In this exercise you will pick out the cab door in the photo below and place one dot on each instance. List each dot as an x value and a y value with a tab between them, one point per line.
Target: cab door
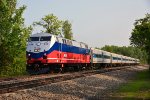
91	58
59	40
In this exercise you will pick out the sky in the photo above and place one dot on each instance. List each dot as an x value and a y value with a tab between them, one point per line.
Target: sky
95	22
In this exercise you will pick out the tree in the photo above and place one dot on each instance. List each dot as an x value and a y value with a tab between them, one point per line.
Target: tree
67	30
140	36
13	36
51	24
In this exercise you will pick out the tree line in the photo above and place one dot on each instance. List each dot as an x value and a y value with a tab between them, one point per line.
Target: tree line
14	35
140	36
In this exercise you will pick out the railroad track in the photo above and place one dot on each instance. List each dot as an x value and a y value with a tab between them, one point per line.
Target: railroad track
19	85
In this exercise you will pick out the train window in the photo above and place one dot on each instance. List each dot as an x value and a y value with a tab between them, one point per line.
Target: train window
57	39
33	39
119	58
115	58
64	41
100	56
70	42
106	57
97	56
94	55
86	46
80	45
45	38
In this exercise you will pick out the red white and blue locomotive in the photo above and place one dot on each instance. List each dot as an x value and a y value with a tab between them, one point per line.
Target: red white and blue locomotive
46	52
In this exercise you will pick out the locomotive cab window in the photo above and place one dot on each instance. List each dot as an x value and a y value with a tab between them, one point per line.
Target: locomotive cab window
45	38
33	39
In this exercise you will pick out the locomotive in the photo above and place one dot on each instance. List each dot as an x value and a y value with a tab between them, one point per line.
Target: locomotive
46	52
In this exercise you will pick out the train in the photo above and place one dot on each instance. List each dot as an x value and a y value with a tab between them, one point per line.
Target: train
46	52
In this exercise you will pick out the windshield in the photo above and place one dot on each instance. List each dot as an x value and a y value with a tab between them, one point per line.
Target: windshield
45	38
34	39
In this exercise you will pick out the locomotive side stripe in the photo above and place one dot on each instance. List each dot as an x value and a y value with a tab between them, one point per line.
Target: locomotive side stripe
65	48
52	58
64	59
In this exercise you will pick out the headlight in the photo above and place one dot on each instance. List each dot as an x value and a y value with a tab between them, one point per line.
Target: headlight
38	44
45	43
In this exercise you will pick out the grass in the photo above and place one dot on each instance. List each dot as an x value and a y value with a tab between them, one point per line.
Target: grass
138	88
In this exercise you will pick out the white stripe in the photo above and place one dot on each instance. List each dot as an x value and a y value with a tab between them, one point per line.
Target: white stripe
64	59
52	58
71	59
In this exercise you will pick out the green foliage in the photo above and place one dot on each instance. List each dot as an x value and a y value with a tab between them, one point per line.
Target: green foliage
51	24
54	26
66	30
137	88
128	51
13	36
140	36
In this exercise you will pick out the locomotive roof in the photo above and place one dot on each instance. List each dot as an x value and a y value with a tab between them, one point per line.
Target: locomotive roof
40	34
48	34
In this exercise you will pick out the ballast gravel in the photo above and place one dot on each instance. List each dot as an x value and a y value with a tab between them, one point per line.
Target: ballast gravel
95	87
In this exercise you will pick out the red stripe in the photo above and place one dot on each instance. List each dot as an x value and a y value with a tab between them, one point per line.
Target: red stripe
63	57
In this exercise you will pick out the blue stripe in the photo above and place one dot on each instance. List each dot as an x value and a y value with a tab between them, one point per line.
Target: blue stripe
65	48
